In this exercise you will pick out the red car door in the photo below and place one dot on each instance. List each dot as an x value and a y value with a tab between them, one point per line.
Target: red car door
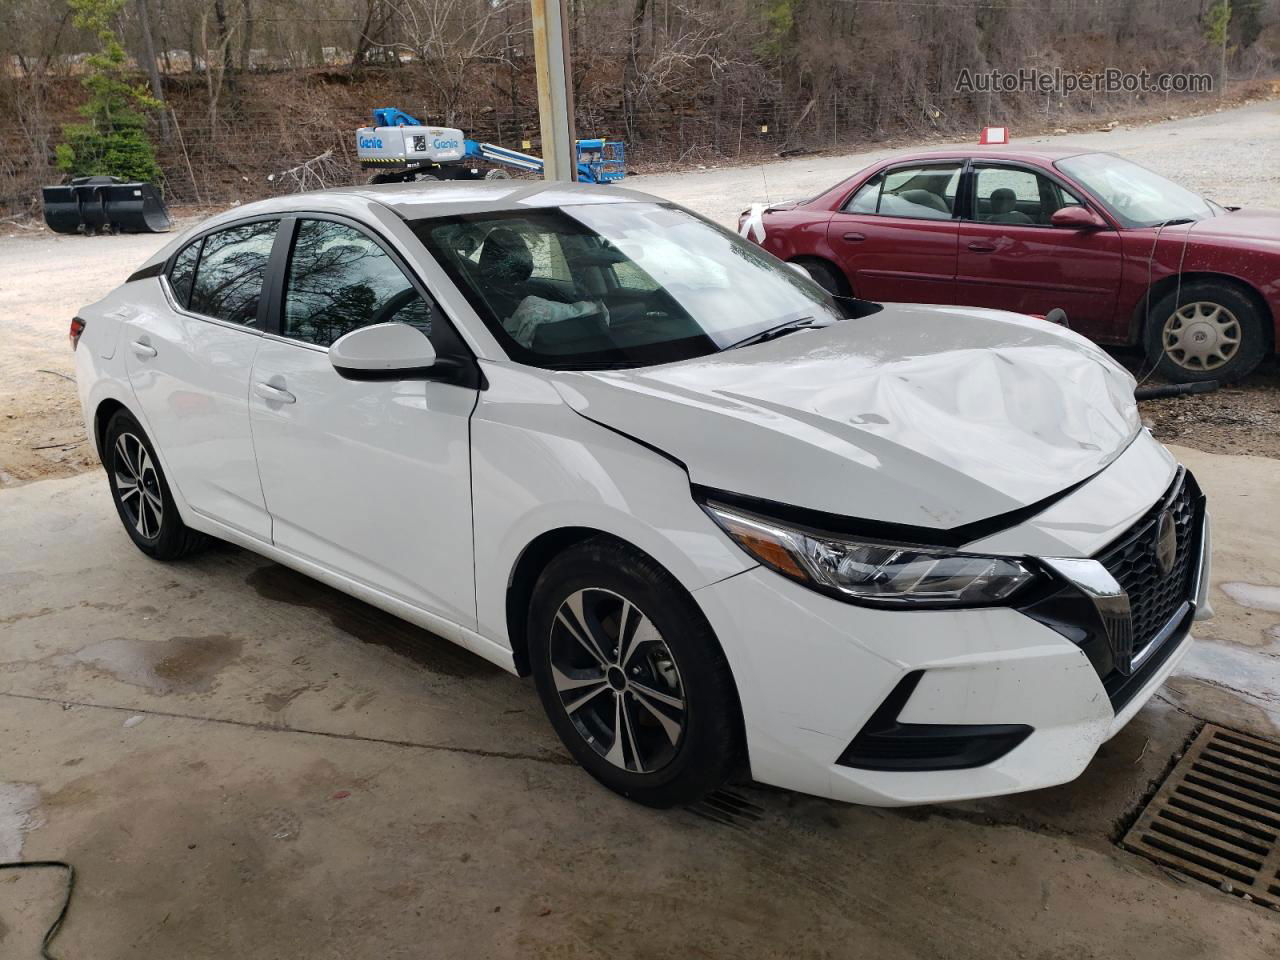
1012	258
897	236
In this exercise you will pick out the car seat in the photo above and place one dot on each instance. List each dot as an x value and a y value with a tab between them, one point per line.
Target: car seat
925	198
1004	208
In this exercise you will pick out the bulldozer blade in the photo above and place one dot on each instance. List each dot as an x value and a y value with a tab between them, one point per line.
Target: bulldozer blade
93	204
136	208
61	209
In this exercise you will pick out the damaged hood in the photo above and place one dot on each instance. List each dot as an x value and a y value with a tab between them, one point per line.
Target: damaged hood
928	416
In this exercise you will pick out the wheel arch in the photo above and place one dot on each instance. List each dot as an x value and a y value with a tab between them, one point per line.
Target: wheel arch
1167	285
102	415
533	559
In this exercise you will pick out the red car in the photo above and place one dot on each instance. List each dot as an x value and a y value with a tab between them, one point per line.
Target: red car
1131	257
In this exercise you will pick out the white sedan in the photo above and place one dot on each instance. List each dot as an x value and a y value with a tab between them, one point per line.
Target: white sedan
884	554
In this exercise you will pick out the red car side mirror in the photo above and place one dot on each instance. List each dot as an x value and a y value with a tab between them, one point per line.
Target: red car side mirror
1077	217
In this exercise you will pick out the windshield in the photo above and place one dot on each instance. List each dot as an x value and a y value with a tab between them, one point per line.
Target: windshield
1134	195
617	284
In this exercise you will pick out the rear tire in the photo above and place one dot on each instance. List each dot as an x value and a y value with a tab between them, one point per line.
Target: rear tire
827	277
496	174
141	493
615	644
1205	331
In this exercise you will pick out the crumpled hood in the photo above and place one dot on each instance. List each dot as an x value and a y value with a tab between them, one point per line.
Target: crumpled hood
928	416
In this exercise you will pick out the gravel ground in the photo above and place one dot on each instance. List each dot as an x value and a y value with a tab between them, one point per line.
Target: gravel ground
44	279
1241	419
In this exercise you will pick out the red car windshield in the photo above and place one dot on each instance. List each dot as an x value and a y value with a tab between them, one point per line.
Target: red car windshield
1134	195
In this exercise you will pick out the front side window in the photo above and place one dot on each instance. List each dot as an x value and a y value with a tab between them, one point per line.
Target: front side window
926	192
617	284
339	280
183	272
233	262
1013	195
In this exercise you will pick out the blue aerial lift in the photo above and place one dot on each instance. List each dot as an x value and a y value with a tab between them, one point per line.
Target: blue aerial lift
400	149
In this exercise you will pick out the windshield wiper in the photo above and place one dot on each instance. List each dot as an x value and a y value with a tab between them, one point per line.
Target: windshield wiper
781	330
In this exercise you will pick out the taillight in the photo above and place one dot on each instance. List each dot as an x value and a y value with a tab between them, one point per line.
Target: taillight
77	328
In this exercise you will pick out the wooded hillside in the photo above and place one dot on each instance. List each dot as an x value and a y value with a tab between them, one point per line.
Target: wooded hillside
248	89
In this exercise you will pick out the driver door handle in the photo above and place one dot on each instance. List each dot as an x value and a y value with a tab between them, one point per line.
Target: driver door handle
274	394
981	246
143	349
855	237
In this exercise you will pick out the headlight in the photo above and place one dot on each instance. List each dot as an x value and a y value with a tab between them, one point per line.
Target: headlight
878	573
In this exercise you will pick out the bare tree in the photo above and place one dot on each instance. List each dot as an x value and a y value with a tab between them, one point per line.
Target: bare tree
152	65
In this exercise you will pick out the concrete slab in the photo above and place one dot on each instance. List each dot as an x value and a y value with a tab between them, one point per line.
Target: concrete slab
241	762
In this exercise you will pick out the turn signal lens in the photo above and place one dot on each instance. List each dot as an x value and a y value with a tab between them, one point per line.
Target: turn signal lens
881	573
77	328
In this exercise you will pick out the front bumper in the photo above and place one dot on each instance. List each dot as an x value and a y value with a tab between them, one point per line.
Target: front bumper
815	673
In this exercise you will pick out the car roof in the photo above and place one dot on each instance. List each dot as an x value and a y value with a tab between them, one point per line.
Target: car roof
447	197
1024	153
413	201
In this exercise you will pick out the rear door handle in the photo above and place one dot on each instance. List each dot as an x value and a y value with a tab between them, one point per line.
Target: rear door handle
143	349
855	237
979	246
274	394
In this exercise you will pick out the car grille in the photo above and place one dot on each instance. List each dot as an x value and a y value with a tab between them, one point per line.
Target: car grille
1155	599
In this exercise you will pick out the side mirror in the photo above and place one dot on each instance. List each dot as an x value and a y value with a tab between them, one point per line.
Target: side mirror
1077	217
801	269
383	351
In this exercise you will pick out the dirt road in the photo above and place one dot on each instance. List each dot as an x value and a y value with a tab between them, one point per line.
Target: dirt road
44	280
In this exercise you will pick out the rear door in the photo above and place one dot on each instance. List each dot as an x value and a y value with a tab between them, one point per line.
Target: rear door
897	236
1013	258
189	366
370	479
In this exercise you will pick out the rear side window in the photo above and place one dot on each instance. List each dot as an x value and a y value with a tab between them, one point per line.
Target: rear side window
233	262
183	272
918	193
341	280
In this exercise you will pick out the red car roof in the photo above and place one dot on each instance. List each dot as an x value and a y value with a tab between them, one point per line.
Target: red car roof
1027	154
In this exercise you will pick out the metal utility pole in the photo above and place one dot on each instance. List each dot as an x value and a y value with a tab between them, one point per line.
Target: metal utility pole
555	88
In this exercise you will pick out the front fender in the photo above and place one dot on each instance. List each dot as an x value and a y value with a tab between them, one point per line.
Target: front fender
538	467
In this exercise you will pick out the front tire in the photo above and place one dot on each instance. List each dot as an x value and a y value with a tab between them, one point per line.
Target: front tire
1205	331
141	493
631	676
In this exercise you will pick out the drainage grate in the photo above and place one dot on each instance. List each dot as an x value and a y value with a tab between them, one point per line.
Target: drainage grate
1217	817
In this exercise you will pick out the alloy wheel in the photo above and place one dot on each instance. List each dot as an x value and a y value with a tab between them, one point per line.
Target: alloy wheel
138	486
617	680
1201	336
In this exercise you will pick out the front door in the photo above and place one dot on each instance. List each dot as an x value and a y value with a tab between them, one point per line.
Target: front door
370	479
1013	258
190	366
896	236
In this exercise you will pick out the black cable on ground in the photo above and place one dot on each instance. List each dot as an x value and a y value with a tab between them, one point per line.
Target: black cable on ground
66	901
